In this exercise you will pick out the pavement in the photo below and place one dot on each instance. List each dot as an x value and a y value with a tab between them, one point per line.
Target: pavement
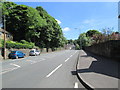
49	70
98	72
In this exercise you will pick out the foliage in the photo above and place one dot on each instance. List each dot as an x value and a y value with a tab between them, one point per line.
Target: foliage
90	33
17	45
70	41
83	40
77	47
1	43
32	24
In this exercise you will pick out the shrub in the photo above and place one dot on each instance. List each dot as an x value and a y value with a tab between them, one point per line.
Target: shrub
1	43
23	45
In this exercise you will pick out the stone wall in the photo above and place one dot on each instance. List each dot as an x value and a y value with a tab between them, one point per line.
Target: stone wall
110	49
26	51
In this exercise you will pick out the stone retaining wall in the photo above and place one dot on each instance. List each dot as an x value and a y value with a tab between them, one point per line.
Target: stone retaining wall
110	49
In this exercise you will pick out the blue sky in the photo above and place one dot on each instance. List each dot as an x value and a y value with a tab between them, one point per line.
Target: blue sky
78	17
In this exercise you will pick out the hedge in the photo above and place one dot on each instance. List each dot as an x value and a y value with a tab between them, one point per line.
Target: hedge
1	43
17	45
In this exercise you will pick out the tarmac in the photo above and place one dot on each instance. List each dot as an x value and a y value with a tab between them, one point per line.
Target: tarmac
98	72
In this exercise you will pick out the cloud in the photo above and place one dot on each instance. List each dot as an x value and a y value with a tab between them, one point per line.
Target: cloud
58	21
89	21
66	29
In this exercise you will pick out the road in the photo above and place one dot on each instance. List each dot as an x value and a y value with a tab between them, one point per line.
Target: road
50	70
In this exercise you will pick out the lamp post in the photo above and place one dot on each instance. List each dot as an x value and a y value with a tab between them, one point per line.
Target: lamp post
4	38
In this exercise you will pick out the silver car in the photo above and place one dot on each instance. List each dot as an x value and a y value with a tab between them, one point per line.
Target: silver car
34	53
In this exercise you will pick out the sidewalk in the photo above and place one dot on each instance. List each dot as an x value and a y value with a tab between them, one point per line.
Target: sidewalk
97	72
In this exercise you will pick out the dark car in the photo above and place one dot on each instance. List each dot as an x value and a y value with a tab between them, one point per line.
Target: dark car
16	54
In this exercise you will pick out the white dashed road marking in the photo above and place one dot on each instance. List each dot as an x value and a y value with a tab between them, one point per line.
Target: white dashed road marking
54	70
76	85
67	59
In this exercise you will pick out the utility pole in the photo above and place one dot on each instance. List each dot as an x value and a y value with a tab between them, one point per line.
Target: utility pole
4	38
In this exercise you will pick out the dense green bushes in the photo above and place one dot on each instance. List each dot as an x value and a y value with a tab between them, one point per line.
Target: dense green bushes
19	45
1	42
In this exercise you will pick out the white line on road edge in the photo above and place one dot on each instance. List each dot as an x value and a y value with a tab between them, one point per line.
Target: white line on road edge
14	65
10	69
67	59
54	71
76	85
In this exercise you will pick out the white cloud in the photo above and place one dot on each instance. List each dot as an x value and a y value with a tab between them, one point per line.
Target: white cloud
58	21
66	29
89	21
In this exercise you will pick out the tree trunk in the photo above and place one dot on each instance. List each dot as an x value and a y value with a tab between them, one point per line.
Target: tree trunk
47	49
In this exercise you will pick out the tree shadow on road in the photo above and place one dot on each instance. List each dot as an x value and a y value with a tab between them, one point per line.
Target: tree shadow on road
102	66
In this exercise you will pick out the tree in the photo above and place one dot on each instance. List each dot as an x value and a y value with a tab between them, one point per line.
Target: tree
33	25
52	34
90	33
83	40
22	22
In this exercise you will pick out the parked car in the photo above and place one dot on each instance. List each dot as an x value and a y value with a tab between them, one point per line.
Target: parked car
16	54
34	52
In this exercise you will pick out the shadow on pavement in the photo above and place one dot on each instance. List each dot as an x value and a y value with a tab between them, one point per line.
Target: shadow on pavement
102	66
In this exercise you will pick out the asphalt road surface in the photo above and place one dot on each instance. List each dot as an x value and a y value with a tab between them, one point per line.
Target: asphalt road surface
49	70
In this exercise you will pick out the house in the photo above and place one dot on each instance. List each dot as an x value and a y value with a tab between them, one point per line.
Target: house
8	35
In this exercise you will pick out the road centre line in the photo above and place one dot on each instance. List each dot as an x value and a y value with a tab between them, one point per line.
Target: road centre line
71	55
67	59
76	85
54	70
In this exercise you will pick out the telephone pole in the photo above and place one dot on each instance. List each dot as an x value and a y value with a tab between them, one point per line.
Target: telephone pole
4	38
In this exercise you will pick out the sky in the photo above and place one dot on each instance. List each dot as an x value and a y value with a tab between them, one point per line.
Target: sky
79	17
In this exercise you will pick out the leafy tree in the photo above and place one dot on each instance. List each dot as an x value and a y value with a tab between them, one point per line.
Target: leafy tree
90	33
52	34
83	40
33	25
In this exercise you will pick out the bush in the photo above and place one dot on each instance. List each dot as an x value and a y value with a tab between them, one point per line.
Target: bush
23	45
1	43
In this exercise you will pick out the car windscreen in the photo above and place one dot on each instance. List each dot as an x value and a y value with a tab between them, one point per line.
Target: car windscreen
31	51
37	51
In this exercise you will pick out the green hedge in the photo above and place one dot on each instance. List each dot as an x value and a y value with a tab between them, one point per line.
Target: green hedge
1	42
18	45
